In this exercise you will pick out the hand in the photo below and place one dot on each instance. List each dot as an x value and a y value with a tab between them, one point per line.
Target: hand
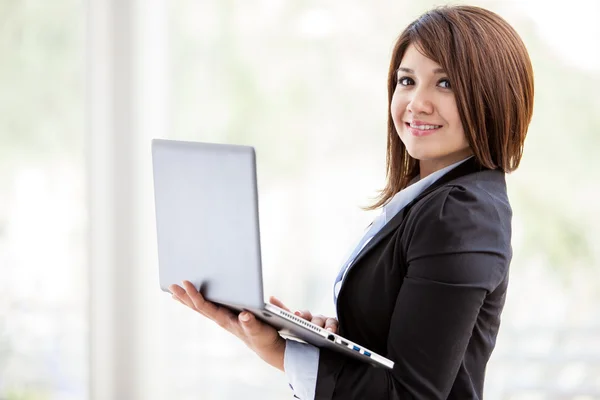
331	324
261	338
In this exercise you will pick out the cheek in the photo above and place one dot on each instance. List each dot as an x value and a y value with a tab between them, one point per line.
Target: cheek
397	107
452	115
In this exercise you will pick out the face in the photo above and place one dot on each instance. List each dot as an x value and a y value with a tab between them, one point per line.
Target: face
425	114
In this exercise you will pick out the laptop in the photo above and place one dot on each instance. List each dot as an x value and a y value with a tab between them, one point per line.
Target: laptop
206	203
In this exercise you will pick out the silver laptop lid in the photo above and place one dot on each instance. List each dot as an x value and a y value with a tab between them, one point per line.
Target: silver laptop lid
206	205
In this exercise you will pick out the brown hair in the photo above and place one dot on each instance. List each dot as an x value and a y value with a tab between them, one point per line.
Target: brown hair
492	80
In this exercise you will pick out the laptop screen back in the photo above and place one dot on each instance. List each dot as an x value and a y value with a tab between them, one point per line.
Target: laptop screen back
207	220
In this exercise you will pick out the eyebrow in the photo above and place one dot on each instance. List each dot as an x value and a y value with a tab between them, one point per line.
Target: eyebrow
410	71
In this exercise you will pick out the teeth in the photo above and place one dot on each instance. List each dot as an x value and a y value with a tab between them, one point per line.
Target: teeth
424	127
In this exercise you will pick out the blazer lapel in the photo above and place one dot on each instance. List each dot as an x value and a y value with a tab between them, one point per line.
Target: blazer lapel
386	230
468	167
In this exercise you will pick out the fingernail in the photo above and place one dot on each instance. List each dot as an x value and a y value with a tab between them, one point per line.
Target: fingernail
329	329
245	317
298	313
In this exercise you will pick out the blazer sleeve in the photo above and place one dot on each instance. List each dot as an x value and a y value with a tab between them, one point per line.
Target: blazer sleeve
457	250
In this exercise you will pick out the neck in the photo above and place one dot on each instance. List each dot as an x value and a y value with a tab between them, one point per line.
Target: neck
428	167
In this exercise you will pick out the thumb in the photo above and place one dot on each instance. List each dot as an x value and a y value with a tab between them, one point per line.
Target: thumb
260	337
249	323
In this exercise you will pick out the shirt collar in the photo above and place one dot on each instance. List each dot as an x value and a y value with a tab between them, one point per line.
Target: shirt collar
409	193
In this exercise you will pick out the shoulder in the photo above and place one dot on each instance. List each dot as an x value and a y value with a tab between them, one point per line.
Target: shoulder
460	233
471	213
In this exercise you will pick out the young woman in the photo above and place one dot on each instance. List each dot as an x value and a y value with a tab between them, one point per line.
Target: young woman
426	285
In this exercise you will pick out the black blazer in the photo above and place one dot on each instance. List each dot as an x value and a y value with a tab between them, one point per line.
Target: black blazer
427	292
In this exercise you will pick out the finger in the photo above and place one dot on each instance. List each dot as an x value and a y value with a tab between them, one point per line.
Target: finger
304	314
198	300
182	296
319	320
222	316
276	302
188	302
182	302
174	289
331	325
177	299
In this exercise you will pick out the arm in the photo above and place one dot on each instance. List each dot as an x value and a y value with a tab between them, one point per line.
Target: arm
457	253
301	362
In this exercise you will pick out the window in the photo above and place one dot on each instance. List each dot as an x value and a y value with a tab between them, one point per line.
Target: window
43	274
85	86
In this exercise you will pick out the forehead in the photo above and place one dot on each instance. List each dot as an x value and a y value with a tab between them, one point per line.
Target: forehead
415	60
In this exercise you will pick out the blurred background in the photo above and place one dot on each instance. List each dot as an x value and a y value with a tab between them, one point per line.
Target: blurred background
85	86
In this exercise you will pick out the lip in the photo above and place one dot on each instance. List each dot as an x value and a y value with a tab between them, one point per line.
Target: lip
421	132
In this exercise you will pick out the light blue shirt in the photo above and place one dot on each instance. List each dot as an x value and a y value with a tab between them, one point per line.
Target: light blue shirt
301	360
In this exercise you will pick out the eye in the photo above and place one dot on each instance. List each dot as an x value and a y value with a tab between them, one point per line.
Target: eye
445	83
405	81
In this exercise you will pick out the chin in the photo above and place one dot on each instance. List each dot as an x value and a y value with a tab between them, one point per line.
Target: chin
436	157
423	154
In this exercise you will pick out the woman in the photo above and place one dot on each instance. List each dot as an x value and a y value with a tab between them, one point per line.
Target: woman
426	285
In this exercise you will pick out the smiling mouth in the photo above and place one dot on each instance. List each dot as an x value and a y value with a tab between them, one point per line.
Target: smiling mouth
423	127
422	130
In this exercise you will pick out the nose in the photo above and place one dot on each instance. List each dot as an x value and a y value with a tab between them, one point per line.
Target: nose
420	103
